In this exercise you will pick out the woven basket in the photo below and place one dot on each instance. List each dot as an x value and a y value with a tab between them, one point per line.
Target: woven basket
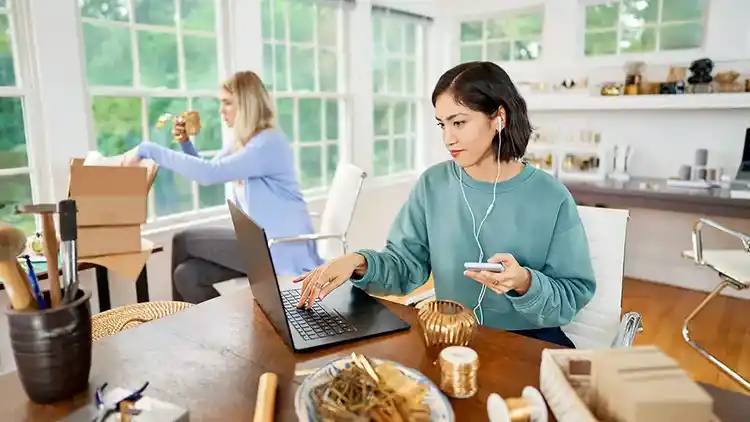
128	316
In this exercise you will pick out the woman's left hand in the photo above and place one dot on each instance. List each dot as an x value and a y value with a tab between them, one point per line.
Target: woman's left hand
514	277
131	158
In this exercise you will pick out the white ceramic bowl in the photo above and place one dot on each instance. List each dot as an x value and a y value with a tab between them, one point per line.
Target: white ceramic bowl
440	407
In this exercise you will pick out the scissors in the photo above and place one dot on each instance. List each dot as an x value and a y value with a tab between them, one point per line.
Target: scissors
105	411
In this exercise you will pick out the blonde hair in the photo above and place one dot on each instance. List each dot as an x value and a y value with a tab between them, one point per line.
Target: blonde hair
255	111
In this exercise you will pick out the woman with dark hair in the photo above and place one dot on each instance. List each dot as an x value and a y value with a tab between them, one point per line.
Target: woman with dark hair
485	203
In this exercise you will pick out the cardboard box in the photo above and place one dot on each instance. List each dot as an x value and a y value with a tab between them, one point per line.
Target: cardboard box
110	195
109	240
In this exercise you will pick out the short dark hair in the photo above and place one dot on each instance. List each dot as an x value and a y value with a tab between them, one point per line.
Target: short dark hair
484	87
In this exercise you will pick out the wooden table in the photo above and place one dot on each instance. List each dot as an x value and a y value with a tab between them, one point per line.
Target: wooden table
208	358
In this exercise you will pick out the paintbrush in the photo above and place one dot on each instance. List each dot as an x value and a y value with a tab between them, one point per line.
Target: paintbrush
12	244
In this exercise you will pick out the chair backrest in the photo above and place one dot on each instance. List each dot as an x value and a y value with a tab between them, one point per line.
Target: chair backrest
596	325
339	209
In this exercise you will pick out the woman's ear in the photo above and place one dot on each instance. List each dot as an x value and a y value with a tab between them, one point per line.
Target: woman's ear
501	120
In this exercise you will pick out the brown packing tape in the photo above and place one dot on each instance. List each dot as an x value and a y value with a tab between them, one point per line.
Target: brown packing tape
129	265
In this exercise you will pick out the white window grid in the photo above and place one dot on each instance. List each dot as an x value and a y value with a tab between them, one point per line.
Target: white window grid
339	95
25	90
145	93
486	41
657	26
392	100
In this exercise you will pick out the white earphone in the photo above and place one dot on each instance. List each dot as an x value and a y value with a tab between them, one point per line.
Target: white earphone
478	309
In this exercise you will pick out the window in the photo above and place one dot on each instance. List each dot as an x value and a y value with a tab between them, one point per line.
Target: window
644	26
397	90
149	57
15	159
303	70
511	36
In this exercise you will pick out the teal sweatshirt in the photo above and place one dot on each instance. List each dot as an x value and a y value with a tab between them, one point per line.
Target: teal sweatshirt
534	218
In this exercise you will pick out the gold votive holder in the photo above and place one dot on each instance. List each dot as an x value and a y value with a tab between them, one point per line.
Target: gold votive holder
192	123
445	323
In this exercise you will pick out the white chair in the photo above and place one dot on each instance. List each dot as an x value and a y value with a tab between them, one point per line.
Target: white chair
598	324
334	222
733	268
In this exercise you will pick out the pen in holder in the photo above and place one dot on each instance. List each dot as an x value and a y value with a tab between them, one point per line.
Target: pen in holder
192	123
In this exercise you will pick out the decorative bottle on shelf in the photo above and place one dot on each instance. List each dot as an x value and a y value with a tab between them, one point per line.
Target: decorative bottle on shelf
621	157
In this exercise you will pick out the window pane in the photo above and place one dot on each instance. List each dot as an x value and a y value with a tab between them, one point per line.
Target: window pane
311	167
157	53
498	28
7	73
526	50
118	124
303	68
285	116
676	37
638	40
266	24
683	10
602	16
332	119
327	26
470	53
200	62
3	4
332	161
381	119
279	21
301	21
108	55
410	75
268	75
400	118
471	31
529	24
411	38
209	138
158	106
638	12
378	37
379	64
310	114
381	157
328	70
498	52
600	43
16	190
394	35
400	155
211	196
12	135
154	12
395	76
281	78
115	10
172	193
198	14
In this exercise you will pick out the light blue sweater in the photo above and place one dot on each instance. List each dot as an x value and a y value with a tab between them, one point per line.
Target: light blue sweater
274	200
534	218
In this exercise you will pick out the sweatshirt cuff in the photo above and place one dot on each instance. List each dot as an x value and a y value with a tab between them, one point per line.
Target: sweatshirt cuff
144	150
372	268
532	295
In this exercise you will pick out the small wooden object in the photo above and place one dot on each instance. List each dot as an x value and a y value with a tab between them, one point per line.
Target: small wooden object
51	251
264	404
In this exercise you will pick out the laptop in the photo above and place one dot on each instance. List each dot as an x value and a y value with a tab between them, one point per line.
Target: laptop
346	314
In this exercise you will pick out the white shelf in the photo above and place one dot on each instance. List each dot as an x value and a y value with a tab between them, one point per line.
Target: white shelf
584	101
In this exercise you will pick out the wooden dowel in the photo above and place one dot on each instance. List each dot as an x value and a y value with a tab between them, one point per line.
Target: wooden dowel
51	251
264	404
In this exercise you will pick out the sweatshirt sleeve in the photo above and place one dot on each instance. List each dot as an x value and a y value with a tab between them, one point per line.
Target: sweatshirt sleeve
566	282
189	148
404	264
261	157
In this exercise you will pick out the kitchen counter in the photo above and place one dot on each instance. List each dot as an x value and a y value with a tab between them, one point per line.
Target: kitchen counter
651	193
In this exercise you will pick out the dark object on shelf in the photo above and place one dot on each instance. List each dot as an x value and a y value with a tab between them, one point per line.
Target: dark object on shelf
568	83
672	87
701	71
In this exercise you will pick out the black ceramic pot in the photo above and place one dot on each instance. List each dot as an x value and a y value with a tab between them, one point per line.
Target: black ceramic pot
52	349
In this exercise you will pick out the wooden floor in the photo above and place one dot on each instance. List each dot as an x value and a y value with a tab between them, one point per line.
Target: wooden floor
723	327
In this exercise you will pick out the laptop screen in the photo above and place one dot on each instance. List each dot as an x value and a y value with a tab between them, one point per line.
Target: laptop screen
253	244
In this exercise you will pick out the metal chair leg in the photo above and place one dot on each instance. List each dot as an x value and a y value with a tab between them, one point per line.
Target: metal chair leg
706	354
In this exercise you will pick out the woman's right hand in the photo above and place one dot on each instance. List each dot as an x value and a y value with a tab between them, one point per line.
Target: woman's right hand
179	132
321	281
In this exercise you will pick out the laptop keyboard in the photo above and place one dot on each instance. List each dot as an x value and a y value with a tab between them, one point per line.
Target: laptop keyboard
312	323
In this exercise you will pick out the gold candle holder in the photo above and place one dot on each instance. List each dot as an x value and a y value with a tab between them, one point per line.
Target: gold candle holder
192	123
445	323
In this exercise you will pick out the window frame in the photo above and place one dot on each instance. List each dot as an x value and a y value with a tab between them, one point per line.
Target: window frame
144	94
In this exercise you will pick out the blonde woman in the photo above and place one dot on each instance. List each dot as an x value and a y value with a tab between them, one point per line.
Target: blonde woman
261	166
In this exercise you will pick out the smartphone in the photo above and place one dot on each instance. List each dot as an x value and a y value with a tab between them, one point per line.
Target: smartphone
484	266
